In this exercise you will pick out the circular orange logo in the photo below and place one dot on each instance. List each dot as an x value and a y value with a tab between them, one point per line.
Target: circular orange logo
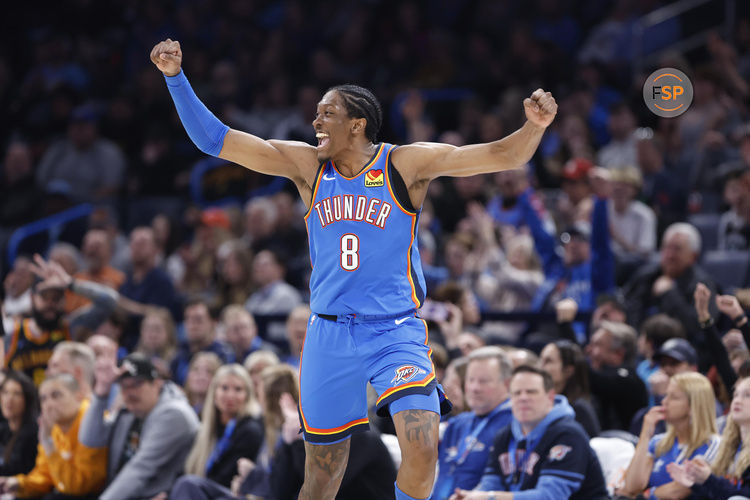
668	92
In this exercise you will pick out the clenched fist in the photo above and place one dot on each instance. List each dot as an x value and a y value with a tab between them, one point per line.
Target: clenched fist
540	108
167	56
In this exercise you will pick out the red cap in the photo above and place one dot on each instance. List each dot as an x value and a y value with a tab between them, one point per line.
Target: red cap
215	217
576	169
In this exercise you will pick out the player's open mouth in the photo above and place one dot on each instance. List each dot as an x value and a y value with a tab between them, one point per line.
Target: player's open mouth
323	139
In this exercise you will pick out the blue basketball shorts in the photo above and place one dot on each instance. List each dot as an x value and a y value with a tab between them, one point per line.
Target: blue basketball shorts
340	356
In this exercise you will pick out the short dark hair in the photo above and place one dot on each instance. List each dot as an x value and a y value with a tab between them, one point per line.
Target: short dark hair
198	301
362	103
546	377
659	328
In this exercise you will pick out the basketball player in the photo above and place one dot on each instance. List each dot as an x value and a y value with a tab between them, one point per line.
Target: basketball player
364	200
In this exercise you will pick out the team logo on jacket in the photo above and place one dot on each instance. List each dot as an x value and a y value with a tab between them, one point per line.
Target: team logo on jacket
405	373
374	178
558	452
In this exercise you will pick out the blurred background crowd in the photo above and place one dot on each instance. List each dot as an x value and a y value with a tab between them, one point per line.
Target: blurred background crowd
627	235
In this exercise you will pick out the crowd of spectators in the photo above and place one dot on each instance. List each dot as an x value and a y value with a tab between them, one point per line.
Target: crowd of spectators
151	350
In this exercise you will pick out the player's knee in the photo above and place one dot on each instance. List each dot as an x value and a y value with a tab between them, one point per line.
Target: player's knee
419	446
420	454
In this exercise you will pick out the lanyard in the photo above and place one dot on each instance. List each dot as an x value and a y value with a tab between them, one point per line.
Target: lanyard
446	481
222	445
520	465
465	446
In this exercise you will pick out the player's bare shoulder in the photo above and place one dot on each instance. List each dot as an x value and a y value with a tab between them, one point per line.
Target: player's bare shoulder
302	155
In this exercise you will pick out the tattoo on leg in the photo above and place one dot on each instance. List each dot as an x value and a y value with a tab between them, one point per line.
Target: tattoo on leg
330	458
324	470
419	426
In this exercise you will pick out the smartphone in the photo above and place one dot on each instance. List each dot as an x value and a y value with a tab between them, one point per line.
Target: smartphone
434	311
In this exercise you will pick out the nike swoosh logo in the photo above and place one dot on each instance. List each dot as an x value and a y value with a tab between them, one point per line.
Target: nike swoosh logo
399	321
326	178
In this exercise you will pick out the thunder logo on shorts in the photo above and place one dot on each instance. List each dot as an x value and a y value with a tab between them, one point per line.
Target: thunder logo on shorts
405	374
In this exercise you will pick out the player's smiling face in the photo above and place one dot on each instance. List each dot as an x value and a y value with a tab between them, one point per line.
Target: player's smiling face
332	125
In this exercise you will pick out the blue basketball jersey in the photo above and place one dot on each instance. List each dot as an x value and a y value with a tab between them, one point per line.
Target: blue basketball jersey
363	243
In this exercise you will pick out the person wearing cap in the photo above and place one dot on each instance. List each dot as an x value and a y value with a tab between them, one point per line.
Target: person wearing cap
586	267
576	204
149	438
33	339
654	332
675	356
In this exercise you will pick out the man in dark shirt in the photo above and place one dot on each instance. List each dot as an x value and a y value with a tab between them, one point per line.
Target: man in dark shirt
200	330
617	389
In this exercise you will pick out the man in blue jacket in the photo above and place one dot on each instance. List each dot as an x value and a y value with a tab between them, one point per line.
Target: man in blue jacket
584	268
544	453
465	447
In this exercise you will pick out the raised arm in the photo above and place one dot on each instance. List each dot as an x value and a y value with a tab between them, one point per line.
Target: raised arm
423	161
294	160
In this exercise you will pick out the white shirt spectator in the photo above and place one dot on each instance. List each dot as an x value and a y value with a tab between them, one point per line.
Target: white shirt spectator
636	227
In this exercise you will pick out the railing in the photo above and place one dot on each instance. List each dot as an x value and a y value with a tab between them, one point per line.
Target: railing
687	43
53	225
206	166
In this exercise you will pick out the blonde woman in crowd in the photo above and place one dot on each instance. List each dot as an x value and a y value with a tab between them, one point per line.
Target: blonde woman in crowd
689	409
203	366
279	397
230	429
729	476
158	339
255	363
280	470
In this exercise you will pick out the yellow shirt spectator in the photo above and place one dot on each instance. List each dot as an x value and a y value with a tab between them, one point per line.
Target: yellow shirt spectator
63	463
